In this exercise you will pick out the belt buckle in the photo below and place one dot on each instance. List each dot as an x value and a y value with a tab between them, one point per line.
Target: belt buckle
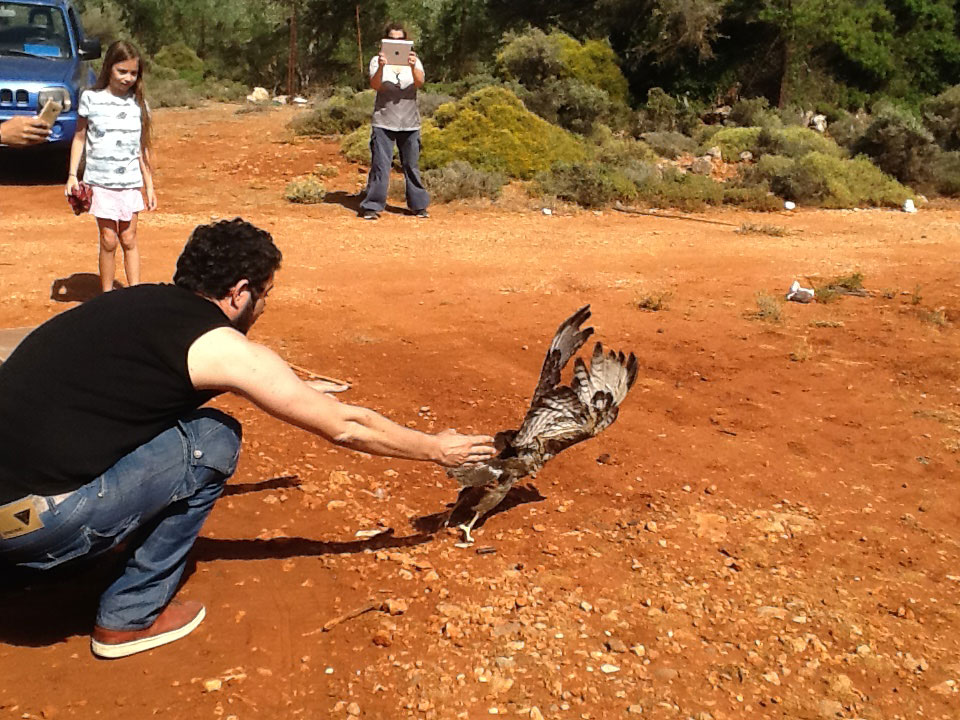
20	517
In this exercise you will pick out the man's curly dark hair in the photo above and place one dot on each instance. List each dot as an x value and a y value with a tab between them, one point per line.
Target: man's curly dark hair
217	256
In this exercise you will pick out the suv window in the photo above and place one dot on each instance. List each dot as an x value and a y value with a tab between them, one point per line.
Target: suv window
38	30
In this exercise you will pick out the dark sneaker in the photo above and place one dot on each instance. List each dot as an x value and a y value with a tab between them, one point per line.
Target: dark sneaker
176	621
422	213
370	215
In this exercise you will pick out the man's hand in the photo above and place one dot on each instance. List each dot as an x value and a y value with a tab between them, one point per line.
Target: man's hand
412	59
456	449
23	130
381	60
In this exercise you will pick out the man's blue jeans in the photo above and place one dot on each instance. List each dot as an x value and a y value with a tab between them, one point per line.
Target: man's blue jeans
160	495
381	158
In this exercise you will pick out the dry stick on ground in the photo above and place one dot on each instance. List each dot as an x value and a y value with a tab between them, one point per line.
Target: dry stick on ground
634	211
331	624
318	376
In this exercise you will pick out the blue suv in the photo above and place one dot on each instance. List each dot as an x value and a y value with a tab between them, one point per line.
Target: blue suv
44	55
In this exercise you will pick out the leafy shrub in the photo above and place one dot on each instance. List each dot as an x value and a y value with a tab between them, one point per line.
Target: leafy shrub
899	144
594	63
464	86
848	128
459	180
530	58
492	130
757	198
753	112
182	59
684	191
355	146
105	21
223	90
428	102
663	112
534	58
573	104
789	141
670	144
617	150
946	171
342	112
172	93
308	190
324	170
831	182
941	115
588	184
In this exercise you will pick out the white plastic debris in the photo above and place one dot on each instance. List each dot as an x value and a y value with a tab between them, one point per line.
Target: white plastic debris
547	211
258	95
800	294
908	206
789	205
299	100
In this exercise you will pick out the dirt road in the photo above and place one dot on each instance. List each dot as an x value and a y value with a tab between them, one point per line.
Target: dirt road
769	530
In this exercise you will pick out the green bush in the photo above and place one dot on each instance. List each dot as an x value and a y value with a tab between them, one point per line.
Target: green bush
573	105
663	112
946	171
848	128
342	112
755	198
459	180
105	21
534	58
355	146
684	191
899	144
941	115
791	141
614	149
324	170
223	90
182	59
754	112
428	102
831	182
172	93
588	184
493	131
307	190
670	144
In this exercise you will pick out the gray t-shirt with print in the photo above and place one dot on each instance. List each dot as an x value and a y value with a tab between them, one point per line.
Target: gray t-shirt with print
396	104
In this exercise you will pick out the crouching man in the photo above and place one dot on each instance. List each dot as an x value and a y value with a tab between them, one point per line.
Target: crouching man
101	438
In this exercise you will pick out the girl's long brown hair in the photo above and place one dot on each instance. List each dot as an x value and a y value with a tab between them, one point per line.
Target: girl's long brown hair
120	51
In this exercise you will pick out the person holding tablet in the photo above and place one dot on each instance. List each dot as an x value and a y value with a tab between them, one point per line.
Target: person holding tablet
396	121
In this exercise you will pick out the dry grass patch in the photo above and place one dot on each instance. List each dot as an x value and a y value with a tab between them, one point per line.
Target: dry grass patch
761	229
769	308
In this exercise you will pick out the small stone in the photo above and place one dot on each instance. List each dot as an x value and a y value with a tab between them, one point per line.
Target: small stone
535	713
585	606
212	685
397	607
772	678
336	504
830	709
615	645
539	528
711	490
650	526
772	612
635	709
665	674
382	638
608	668
863	650
353	709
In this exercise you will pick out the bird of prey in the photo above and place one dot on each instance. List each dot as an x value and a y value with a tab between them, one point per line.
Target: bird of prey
559	416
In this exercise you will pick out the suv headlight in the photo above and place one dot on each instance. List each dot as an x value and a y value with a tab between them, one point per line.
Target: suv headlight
61	95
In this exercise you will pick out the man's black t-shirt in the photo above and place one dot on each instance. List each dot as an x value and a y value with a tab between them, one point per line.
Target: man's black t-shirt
96	382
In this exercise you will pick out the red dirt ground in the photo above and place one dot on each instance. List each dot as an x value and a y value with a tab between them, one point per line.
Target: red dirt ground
769	530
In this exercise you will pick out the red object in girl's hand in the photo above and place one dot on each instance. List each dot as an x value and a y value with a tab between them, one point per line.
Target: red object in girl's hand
80	198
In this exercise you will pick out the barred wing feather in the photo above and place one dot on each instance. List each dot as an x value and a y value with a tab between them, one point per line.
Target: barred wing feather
568	339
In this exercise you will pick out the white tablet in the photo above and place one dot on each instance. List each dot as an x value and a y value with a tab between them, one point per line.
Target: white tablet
396	51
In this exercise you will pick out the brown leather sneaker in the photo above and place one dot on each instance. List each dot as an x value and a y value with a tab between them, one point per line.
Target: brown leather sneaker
176	621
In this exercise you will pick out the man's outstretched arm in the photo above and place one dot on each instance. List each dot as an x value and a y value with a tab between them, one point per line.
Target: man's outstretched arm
224	359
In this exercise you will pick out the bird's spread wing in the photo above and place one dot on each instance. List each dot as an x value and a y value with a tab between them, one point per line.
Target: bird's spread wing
568	339
567	415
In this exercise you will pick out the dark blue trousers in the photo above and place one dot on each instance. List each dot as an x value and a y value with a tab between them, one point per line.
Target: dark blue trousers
381	158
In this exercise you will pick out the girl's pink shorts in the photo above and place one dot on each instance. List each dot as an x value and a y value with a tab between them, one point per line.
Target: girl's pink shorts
119	205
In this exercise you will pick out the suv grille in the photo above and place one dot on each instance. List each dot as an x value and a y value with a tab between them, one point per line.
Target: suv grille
11	98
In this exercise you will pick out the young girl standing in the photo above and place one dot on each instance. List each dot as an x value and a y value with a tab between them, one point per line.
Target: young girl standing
114	132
